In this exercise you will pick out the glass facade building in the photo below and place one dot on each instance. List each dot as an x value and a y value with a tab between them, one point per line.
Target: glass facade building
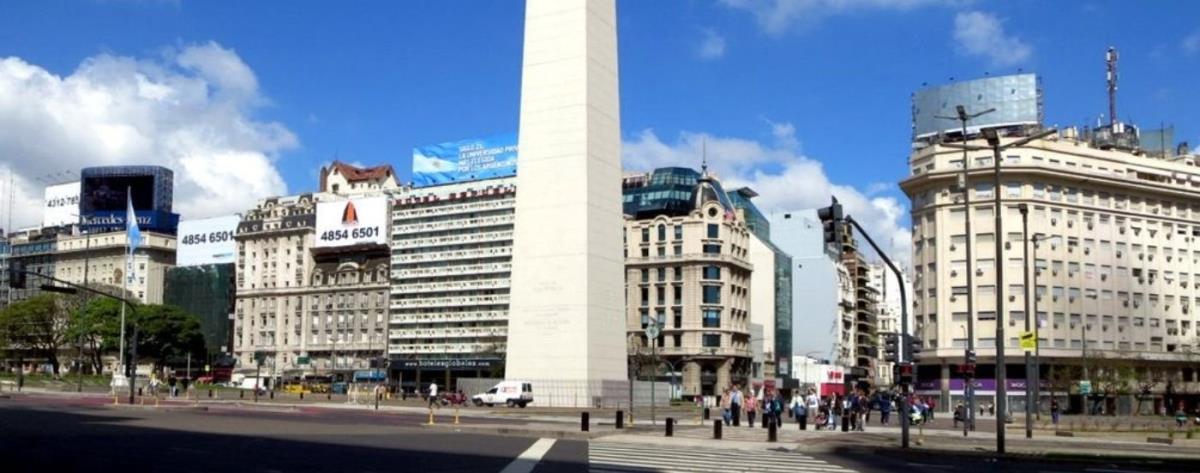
1016	98
207	292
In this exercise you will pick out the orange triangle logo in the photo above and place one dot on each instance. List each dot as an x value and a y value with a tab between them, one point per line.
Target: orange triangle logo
350	214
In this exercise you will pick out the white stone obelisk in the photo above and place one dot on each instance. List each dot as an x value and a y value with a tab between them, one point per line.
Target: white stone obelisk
566	327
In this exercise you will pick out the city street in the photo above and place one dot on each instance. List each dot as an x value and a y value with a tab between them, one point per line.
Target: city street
69	433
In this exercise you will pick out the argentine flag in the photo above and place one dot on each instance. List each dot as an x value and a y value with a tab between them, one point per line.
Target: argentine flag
132	233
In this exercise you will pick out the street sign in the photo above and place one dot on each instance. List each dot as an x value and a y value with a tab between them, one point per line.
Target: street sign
301	360
652	331
1085	388
1028	342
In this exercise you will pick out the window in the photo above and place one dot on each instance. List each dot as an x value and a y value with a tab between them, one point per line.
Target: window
712	318
714	230
645	275
712	294
712	340
712	272
1013	189
662	232
678	232
645	235
712	249
645	318
678	250
678	273
662	274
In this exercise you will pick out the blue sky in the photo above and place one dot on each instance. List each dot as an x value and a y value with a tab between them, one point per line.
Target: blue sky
784	92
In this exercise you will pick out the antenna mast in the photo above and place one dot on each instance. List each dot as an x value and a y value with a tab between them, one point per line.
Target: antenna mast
1110	60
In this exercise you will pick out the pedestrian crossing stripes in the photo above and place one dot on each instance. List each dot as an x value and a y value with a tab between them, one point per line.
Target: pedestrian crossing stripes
639	458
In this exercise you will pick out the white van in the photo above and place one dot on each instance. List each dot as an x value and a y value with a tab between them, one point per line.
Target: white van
509	393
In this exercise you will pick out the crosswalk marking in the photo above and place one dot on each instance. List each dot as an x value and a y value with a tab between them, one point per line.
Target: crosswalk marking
628	458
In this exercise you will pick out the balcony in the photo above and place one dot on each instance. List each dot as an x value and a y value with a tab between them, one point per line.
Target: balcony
463	270
451	317
453	255
690	258
447	332
426	211
460	301
445	286
454	224
461	239
440	348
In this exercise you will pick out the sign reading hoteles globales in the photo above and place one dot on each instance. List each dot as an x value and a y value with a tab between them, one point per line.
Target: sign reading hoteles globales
465	160
61	204
352	222
207	241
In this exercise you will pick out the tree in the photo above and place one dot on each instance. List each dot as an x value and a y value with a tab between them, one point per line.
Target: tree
37	325
167	333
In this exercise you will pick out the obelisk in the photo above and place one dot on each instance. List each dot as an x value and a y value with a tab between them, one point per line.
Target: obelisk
566	327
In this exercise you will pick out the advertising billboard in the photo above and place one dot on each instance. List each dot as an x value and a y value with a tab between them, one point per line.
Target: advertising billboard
466	160
107	193
1016	98
61	205
207	241
361	221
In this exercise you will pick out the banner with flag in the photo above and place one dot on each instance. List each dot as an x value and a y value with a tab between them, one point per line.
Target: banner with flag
133	235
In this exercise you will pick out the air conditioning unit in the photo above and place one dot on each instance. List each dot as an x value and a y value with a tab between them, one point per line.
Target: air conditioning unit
1169	258
953	247
1122	230
1089	225
1071	274
953	273
1071	223
1125	303
1011	298
1103	277
1137	304
1141	256
1120	329
953	299
1071	299
1104	328
1151	257
1055	298
1055	326
979	272
1053	221
1087	251
1118	254
1054	273
1008	245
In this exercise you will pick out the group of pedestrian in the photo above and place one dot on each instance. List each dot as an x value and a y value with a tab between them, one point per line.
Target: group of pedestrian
735	402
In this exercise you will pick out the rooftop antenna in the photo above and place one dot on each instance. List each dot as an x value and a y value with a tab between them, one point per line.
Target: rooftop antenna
704	156
1110	60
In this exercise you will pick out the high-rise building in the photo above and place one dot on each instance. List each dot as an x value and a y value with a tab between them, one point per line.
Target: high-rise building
451	261
888	286
771	287
1117	265
687	268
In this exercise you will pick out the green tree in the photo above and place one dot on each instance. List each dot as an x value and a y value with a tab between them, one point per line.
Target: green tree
37	326
167	333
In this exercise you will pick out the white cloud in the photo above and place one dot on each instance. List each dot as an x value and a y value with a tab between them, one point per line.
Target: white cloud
776	17
982	34
712	46
784	178
1191	43
189	111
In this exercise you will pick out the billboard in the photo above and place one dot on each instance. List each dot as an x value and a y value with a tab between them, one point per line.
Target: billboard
466	160
360	221
61	205
1016	98
114	220
207	241
107	193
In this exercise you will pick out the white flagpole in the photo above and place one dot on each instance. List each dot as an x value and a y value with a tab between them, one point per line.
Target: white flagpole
125	279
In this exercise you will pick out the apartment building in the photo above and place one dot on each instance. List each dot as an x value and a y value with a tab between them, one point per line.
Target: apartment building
1117	269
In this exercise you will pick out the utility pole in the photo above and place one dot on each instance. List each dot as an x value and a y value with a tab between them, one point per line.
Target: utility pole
964	184
1029	379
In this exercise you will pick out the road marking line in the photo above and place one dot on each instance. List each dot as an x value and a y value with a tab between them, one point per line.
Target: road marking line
528	459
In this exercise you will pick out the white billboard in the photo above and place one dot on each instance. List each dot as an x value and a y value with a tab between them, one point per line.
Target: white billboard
207	241
61	206
352	222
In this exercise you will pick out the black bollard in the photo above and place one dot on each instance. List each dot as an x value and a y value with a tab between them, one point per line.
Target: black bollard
210	393
139	391
241	394
301	395
377	401
329	396
584	421
272	394
772	433
620	419
845	423
707	414
803	422
670	427
717	429
764	420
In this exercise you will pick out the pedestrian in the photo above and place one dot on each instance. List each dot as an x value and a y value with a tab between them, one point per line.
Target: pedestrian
864	406
183	385
171	381
839	411
726	403
932	404
885	409
959	414
736	400
800	412
1055	411
751	408
813	406
433	394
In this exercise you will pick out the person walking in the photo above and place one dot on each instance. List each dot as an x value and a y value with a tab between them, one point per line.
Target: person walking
736	400
171	382
726	404
885	409
864	406
751	408
433	394
800	411
959	414
932	404
1055	411
813	406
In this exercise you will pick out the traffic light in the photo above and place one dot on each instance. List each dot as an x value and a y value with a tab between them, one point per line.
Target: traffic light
16	275
906	373
914	347
891	347
831	221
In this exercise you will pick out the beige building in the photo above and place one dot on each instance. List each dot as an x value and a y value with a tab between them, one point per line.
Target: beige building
1120	263
103	256
310	309
687	267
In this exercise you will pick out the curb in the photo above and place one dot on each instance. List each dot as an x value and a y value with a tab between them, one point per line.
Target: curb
156	408
533	433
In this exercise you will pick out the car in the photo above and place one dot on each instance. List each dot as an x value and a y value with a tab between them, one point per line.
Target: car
509	393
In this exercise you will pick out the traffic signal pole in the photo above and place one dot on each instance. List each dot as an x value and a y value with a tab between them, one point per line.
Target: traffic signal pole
905	354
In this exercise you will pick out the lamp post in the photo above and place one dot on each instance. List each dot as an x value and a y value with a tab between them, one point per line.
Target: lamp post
993	140
1037	354
964	185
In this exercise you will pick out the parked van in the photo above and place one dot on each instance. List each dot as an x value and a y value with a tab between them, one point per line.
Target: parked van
509	393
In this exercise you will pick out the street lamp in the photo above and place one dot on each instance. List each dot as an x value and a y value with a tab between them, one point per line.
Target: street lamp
1037	355
993	140
964	185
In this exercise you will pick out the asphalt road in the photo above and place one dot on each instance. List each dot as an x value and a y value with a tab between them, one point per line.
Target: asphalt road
56	434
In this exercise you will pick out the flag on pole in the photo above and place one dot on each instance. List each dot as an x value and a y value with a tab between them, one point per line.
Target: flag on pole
132	231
